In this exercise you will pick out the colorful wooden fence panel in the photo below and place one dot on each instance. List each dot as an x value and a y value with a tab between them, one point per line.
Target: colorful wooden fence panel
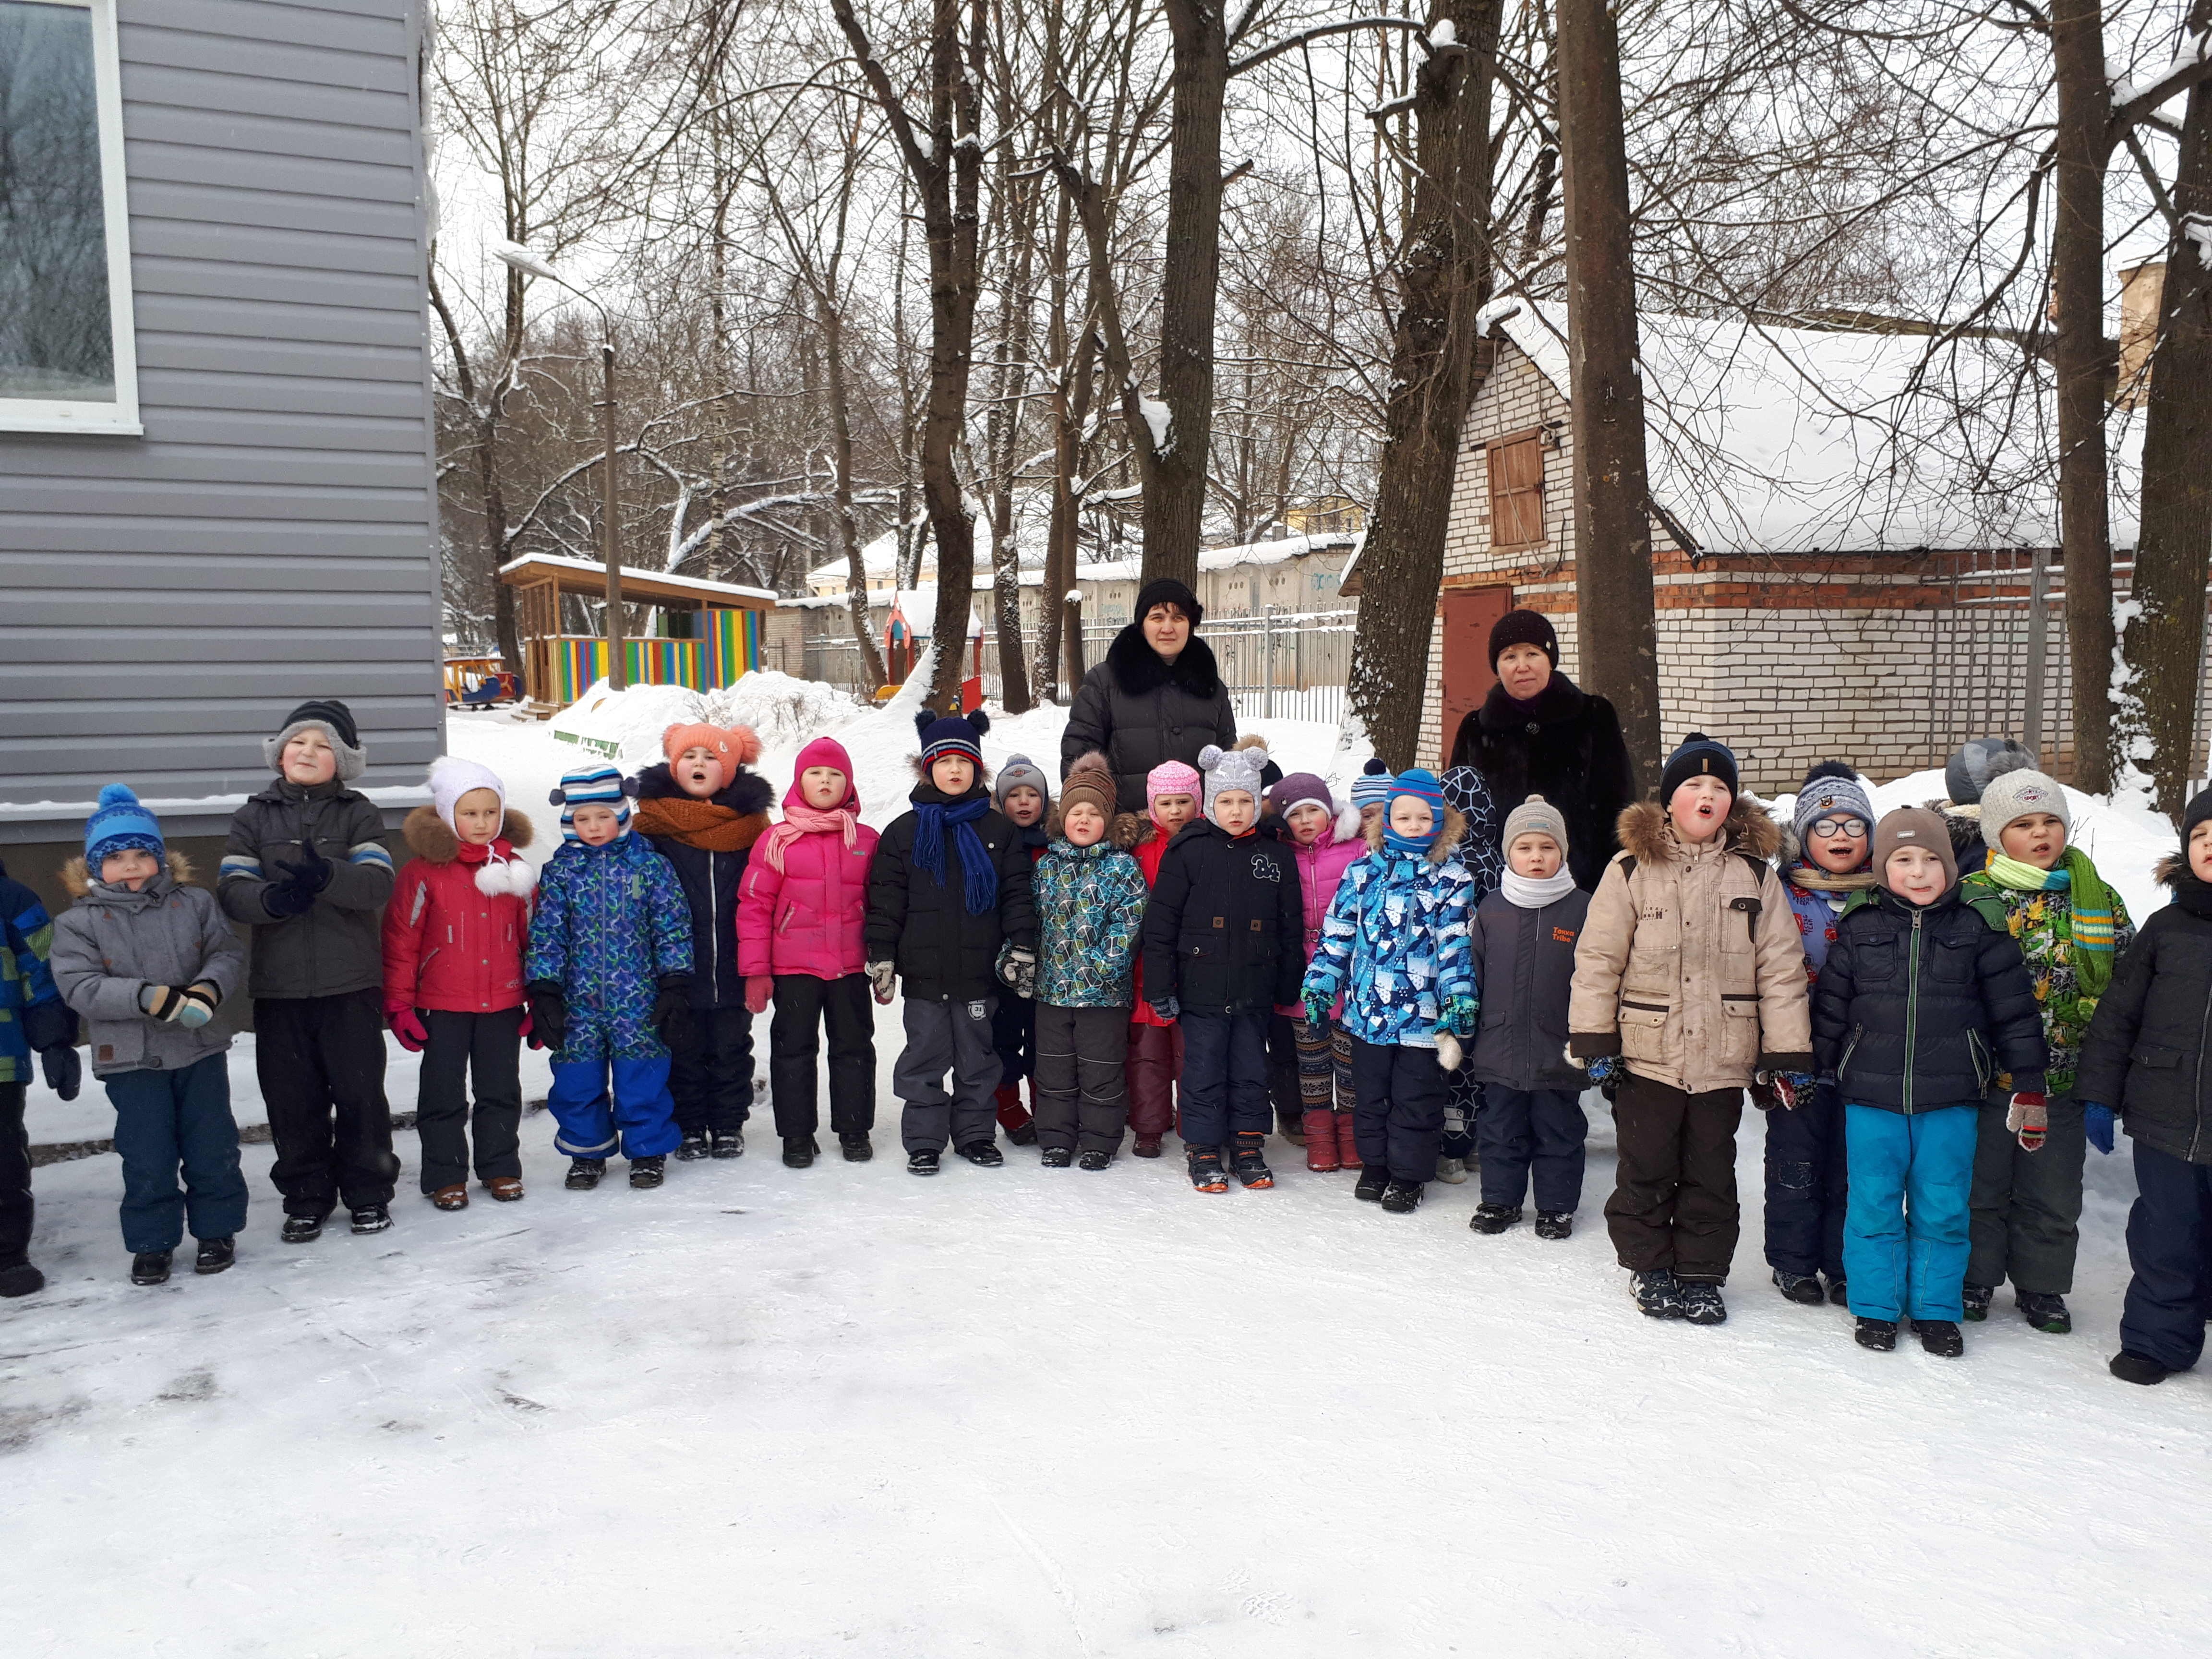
731	649
733	644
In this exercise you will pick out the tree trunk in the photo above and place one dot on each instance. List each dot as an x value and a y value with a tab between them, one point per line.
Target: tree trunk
1002	428
2165	641
1443	277
1617	654
845	525
2077	291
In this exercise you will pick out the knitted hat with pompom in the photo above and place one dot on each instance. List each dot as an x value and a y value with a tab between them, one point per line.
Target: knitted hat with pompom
118	824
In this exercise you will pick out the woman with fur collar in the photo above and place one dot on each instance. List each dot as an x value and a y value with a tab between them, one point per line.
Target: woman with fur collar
1158	696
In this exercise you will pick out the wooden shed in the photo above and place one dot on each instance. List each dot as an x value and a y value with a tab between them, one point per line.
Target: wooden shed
709	634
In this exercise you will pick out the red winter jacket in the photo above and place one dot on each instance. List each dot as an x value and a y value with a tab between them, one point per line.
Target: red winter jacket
1148	853
458	920
812	916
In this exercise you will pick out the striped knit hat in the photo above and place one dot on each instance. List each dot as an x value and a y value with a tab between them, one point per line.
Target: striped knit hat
951	734
118	824
1373	786
600	785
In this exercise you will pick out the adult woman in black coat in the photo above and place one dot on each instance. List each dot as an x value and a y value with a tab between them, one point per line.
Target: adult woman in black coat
1539	733
1158	696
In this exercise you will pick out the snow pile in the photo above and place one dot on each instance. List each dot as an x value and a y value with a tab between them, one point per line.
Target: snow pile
785	711
627	725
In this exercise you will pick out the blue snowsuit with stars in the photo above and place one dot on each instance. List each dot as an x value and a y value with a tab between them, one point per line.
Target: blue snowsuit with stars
609	922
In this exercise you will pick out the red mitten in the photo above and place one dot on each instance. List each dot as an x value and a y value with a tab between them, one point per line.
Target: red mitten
407	1025
2029	1117
759	987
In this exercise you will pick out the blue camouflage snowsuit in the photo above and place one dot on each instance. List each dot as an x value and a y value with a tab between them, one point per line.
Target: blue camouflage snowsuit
609	922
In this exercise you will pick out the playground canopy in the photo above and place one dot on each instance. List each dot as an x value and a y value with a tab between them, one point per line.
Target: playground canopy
710	632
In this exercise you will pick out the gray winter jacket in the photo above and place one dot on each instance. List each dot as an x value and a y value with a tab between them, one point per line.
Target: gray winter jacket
114	942
336	944
1524	968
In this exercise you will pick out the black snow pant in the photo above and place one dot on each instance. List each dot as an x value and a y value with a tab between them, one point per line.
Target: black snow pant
1013	1037
804	1008
1538	1133
1807	1186
485	1050
1283	1074
2026	1205
321	1061
1674	1203
1398	1109
1082	1099
2170	1247
951	1037
15	1205
710	1071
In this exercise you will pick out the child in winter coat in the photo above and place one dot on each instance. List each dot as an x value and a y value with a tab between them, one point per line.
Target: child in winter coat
950	914
2072	926
703	811
1923	999
147	961
34	1019
1688	982
1523	941
1467	792
2145	1058
608	977
453	938
1826	857
1371	793
1023	795
1396	946
1172	791
1223	949
1091	905
800	925
1324	845
306	868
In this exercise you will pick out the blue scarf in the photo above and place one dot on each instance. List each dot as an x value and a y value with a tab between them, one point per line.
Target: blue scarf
979	876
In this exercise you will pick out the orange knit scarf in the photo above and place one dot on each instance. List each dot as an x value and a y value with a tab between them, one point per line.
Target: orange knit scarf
700	823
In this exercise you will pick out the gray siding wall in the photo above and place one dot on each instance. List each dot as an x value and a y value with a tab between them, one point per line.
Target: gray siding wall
164	600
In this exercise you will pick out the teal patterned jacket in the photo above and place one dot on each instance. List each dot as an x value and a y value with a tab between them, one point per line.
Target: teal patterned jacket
1091	909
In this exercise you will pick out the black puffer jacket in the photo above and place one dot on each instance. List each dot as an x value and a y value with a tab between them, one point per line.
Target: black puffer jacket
1140	711
2145	1052
1921	1008
1564	744
336	944
1524	968
711	878
943	953
1226	931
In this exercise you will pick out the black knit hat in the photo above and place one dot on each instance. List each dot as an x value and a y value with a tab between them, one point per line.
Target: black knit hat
336	721
2198	810
1698	756
1166	590
1523	628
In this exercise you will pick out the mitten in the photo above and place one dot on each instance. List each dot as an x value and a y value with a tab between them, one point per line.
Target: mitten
2097	1123
1167	1009
1448	1051
882	976
312	871
286	896
549	1014
1791	1089
161	1002
759	987
1017	968
2029	1117
1317	1005
1459	1015
201	998
1604	1071
407	1025
64	1070
671	1008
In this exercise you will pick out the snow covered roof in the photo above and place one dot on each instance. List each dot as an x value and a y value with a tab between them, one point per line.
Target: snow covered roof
1798	441
1278	552
586	576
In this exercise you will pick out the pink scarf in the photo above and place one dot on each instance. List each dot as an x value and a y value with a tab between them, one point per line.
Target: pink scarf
800	819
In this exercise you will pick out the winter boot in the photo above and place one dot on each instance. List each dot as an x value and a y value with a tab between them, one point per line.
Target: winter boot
1371	1185
302	1229
1977	1299
1452	1170
1322	1156
1013	1116
215	1255
21	1280
1702	1305
985	1154
1879	1334
646	1173
1251	1159
1206	1171
731	1144
2138	1368
695	1147
1839	1294
858	1149
1802	1288
1095	1159
584	1174
1403	1197
1657	1295
922	1163
1494	1217
1292	1126
150	1267
800	1151
372	1217
1940	1337
1347	1143
455	1197
1554	1223
1146	1146
1059	1157
2045	1313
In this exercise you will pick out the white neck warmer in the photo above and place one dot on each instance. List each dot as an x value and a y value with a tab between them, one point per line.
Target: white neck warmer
1533	895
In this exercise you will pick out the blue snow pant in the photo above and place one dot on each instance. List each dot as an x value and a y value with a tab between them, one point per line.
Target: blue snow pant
1537	1132
1398	1109
1905	1225
167	1119
1225	1078
2170	1247
642	1117
1807	1186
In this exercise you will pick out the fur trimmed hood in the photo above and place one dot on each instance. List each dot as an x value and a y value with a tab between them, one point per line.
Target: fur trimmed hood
1440	850
76	875
429	840
1645	831
1138	668
2172	870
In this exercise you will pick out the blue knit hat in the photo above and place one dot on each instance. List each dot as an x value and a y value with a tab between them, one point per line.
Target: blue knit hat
951	734
119	823
1423	785
1373	786
602	785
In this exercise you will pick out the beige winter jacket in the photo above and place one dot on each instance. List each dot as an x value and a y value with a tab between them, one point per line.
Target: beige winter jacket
1689	967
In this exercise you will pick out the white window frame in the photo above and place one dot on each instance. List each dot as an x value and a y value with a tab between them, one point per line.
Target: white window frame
120	418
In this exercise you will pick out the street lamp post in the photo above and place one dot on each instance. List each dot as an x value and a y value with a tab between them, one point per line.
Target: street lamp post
533	264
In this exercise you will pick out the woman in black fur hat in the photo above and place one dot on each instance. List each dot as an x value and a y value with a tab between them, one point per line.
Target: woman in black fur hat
1158	696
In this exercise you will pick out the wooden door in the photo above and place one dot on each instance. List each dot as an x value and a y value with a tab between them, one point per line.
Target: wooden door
1469	613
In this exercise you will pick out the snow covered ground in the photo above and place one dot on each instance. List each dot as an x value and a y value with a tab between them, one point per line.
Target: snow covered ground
1029	1412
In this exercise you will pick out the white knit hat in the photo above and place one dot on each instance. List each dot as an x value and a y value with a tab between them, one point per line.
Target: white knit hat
1232	770
452	777
2014	794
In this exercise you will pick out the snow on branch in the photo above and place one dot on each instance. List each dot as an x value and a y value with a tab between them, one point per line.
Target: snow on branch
1321	32
2133	99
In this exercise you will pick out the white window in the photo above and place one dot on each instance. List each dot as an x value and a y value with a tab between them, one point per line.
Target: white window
66	358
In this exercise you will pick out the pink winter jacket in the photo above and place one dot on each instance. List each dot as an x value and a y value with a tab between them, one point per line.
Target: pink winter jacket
1322	866
809	919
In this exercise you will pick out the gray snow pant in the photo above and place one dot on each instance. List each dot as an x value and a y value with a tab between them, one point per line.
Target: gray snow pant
2025	1205
941	1037
1082	1098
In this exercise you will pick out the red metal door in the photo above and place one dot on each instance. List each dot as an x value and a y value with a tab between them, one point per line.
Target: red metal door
1468	614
